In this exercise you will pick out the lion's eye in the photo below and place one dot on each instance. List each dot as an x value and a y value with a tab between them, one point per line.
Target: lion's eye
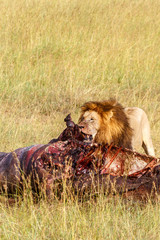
92	119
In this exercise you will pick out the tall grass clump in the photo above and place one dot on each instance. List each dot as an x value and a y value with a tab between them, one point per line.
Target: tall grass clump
54	56
100	219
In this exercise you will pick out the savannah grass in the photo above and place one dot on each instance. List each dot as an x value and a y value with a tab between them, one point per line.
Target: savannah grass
54	56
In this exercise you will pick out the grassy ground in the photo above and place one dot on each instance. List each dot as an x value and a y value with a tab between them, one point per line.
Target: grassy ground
101	220
54	56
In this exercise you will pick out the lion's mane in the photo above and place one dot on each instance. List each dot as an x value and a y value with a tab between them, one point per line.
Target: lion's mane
114	124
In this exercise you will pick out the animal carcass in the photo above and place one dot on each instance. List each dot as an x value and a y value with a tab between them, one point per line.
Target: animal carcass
83	165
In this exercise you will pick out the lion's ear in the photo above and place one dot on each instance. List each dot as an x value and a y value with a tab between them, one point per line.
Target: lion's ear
108	115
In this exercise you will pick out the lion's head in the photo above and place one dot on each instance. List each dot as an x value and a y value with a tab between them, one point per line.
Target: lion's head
107	122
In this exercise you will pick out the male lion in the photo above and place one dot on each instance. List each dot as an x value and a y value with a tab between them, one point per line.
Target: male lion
108	122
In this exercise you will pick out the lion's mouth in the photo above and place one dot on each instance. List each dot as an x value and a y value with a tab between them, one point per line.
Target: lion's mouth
87	136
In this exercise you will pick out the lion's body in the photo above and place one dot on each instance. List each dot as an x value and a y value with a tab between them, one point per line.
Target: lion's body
141	129
108	122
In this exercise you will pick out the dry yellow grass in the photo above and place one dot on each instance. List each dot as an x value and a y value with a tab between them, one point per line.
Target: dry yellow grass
55	55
